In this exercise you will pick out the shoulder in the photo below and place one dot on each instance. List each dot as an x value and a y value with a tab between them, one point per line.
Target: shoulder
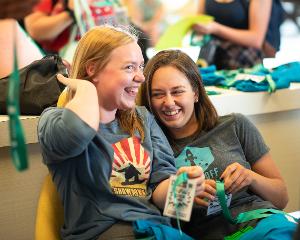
144	114
237	120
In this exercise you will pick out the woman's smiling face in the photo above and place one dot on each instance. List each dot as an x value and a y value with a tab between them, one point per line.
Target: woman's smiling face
117	84
172	99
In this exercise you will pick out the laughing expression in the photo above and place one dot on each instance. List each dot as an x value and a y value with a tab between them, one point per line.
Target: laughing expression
172	99
117	84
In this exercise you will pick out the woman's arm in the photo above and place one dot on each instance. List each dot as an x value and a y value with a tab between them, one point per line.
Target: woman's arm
259	15
264	179
43	27
201	7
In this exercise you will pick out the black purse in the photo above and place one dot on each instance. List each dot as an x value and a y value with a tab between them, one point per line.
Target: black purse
39	87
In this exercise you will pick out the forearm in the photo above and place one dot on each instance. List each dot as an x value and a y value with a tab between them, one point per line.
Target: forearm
41	27
85	104
246	38
271	189
160	194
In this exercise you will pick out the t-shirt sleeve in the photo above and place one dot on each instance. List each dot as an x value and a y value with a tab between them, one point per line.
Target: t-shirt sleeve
44	6
163	164
250	138
62	134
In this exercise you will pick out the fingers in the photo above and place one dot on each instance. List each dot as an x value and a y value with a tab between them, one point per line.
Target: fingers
192	171
210	187
228	171
201	202
62	79
71	83
236	177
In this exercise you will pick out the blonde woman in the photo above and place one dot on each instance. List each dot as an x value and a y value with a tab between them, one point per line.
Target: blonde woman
109	159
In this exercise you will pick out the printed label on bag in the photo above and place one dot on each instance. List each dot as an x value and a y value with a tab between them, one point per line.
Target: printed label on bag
214	206
185	194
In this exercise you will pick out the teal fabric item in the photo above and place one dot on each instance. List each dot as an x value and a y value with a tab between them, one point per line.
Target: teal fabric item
282	77
145	229
251	86
248	85
287	72
275	227
209	76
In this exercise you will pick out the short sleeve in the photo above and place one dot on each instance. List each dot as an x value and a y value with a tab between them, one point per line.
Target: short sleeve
44	6
252	142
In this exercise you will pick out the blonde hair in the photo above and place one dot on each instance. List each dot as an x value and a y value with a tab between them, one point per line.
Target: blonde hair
96	47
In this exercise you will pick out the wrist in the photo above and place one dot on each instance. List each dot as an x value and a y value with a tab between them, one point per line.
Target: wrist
70	13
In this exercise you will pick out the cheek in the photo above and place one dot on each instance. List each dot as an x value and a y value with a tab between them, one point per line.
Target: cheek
155	104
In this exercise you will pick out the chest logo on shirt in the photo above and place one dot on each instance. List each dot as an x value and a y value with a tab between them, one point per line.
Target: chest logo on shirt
194	156
130	169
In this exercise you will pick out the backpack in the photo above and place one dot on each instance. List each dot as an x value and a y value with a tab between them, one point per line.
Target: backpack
39	87
276	19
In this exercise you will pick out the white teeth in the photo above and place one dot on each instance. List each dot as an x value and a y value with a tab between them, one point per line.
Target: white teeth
131	89
171	113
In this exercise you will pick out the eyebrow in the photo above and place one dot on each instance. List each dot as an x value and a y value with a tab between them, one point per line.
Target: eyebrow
133	62
174	88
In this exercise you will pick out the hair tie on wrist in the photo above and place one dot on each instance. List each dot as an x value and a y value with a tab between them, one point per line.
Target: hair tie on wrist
71	13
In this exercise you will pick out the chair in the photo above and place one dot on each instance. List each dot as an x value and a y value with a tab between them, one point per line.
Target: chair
49	216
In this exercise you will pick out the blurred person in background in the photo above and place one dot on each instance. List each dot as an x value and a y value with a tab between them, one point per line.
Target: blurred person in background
240	27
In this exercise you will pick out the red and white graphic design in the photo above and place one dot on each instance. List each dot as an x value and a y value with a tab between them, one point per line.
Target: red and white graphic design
131	168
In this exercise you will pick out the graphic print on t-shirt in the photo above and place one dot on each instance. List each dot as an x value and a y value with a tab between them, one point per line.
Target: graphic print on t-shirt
194	156
130	169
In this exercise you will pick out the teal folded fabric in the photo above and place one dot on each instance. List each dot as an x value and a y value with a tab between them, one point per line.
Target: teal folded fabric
275	227
145	229
282	76
209	76
287	72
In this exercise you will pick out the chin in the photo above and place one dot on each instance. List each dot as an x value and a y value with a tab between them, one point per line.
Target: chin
127	106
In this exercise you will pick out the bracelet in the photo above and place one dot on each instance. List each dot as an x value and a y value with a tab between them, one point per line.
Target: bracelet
71	13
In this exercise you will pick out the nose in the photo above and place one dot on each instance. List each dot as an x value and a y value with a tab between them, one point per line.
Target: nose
139	76
168	100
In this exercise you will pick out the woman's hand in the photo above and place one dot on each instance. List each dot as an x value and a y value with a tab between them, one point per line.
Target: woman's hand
209	28
209	193
195	172
73	84
85	101
236	177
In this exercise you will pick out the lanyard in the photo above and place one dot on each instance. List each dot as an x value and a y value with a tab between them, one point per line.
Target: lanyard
182	178
17	139
245	216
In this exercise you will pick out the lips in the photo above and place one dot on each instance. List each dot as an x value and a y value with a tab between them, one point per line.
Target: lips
170	115
132	91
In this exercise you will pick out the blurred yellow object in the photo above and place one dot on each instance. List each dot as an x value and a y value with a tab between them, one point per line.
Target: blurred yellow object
62	100
174	35
49	216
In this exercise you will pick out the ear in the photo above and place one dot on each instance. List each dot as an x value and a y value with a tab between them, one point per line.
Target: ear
196	97
90	69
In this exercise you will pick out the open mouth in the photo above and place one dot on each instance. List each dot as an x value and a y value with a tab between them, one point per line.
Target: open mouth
132	91
171	114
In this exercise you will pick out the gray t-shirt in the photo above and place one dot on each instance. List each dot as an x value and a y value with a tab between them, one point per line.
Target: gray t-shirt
106	176
234	139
